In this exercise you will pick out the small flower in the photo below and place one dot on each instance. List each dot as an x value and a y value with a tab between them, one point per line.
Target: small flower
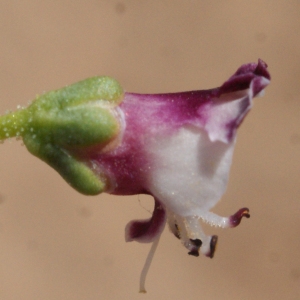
176	147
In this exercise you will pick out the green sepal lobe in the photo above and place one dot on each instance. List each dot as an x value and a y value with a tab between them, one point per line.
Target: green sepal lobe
60	124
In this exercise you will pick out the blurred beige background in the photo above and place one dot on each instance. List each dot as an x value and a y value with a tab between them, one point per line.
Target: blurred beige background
56	244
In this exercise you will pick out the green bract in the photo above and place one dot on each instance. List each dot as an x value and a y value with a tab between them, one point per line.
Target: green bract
59	123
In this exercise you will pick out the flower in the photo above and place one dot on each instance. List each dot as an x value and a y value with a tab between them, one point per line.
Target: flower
176	147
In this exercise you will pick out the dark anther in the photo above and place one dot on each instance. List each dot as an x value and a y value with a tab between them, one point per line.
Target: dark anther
196	242
194	253
213	245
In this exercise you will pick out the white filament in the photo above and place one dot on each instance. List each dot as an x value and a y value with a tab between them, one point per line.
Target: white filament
147	264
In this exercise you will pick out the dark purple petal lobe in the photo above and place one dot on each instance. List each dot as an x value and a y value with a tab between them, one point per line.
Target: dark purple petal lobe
145	231
244	76
235	219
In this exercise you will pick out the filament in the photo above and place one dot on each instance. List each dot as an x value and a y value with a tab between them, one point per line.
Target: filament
147	264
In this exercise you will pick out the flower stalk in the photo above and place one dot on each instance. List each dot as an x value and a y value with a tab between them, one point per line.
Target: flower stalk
13	124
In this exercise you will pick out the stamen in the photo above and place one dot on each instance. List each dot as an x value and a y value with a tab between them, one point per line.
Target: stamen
191	234
173	226
215	220
195	231
184	235
147	264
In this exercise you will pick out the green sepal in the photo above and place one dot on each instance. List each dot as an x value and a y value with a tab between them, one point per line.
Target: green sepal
60	124
75	172
100	88
77	126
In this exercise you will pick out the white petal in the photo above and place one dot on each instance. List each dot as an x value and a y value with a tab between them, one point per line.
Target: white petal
190	171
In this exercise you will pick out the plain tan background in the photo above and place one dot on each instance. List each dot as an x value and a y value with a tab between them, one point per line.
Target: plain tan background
58	245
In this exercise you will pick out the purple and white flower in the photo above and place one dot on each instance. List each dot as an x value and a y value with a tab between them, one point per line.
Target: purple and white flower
176	147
